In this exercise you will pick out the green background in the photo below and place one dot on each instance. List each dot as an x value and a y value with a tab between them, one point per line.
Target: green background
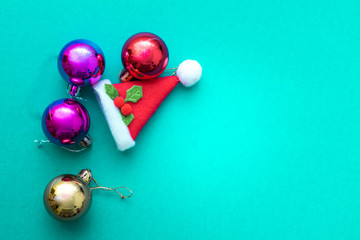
266	146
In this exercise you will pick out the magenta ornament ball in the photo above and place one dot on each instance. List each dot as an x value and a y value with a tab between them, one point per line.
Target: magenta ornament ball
81	63
65	122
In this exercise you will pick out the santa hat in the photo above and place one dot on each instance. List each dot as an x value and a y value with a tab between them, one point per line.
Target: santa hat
127	106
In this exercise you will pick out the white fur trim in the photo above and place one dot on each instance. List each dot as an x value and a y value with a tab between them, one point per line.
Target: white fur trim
117	127
189	72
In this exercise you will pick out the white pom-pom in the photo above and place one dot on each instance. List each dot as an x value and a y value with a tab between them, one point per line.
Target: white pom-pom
189	72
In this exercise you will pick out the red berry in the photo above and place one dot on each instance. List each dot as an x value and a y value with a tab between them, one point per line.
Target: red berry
119	102
126	109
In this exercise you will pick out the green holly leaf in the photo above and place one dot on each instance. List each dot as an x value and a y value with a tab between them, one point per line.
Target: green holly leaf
134	94
111	91
127	119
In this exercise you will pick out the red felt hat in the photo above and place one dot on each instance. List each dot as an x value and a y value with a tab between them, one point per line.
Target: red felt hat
128	106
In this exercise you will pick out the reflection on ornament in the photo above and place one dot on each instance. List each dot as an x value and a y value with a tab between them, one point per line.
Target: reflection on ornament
81	63
144	56
68	197
66	122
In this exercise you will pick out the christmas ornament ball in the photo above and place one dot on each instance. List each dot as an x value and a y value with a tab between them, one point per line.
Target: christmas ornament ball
68	197
144	56
81	63
65	122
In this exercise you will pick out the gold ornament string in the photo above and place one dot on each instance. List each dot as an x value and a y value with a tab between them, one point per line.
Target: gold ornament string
172	69
112	189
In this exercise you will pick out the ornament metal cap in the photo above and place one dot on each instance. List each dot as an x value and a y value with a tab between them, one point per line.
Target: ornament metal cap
125	76
86	142
85	175
73	91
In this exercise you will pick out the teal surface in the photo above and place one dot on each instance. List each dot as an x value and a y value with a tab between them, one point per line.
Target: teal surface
266	146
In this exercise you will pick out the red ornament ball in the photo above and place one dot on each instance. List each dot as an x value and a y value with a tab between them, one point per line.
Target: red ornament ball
119	102
144	56
126	109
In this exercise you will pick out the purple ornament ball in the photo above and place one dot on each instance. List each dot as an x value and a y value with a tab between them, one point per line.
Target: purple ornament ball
65	122
81	63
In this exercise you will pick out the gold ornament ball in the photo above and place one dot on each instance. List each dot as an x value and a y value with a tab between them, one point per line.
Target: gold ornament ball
68	197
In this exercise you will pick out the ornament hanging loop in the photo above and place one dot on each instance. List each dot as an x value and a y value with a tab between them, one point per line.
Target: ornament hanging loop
174	68
112	189
171	68
41	142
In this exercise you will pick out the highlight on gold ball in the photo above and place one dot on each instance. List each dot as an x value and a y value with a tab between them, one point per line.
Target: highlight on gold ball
68	197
